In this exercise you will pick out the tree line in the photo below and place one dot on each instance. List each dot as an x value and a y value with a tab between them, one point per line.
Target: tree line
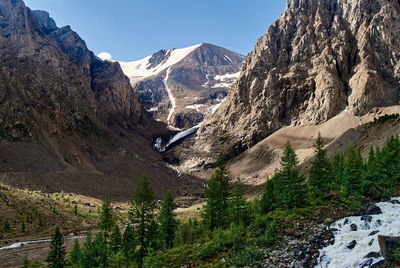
229	223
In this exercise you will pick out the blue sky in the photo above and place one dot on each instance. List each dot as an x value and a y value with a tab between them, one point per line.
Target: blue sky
133	29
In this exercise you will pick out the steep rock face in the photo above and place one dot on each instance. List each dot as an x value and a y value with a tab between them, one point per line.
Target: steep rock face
69	120
319	58
196	77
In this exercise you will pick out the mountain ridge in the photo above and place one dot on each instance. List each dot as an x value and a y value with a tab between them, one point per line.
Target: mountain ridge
196	81
318	59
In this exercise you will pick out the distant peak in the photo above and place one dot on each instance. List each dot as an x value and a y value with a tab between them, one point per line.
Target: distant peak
46	23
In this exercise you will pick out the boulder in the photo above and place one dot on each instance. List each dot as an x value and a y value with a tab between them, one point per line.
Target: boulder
351	244
372	254
373	232
395	202
366	218
390	249
366	263
353	227
373	210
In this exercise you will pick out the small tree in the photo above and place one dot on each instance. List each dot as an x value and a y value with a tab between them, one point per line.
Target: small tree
142	216
56	257
353	171
128	243
75	209
289	180
320	171
268	202
6	226
216	210
115	239
167	222
75	255
238	206
88	256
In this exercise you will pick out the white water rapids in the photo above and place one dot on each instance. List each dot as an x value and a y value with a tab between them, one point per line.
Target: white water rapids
341	255
20	244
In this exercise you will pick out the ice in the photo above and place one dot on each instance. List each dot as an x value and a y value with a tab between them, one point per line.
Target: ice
194	106
338	255
182	134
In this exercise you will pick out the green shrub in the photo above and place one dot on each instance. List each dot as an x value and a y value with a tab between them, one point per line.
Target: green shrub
250	257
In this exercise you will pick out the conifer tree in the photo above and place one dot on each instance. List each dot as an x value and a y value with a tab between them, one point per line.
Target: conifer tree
106	223
115	239
167	221
338	167
216	210
75	255
88	256
353	171
289	180
128	243
142	217
320	171
238	205
56	257
268	201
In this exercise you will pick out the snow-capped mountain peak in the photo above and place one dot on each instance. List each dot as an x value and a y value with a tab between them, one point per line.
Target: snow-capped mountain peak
154	64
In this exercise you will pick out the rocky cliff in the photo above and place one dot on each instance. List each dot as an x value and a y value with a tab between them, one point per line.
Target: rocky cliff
181	86
318	59
68	120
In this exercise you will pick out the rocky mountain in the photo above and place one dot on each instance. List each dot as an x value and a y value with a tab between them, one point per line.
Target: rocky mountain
68	120
319	58
182	86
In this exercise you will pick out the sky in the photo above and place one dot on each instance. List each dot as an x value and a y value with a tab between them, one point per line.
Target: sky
133	29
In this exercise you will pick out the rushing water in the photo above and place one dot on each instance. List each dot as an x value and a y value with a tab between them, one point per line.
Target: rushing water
342	254
20	244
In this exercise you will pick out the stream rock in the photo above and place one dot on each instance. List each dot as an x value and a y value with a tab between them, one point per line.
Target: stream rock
389	245
351	244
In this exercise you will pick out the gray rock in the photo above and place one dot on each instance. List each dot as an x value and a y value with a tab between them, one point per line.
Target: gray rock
353	227
372	254
351	244
374	210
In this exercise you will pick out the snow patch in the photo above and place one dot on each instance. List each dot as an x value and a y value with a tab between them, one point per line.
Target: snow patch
228	85
153	109
138	70
195	106
170	96
214	107
227	76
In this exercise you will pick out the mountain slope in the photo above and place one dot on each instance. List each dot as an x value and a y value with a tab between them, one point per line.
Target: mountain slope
69	120
318	59
181	86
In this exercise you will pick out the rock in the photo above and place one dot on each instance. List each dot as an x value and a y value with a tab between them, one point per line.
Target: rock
371	242
389	246
353	227
346	221
372	254
328	221
373	232
379	264
223	260
351	244
366	263
366	218
374	210
395	202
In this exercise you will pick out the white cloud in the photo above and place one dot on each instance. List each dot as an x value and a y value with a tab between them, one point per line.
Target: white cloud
105	56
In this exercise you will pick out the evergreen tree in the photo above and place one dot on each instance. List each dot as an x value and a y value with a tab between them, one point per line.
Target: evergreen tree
115	239
320	171
129	243
167	221
338	167
88	256
99	251
268	201
142	217
6	226
289	180
353	171
238	205
389	162
75	255
216	210
106	223
371	177
56	257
